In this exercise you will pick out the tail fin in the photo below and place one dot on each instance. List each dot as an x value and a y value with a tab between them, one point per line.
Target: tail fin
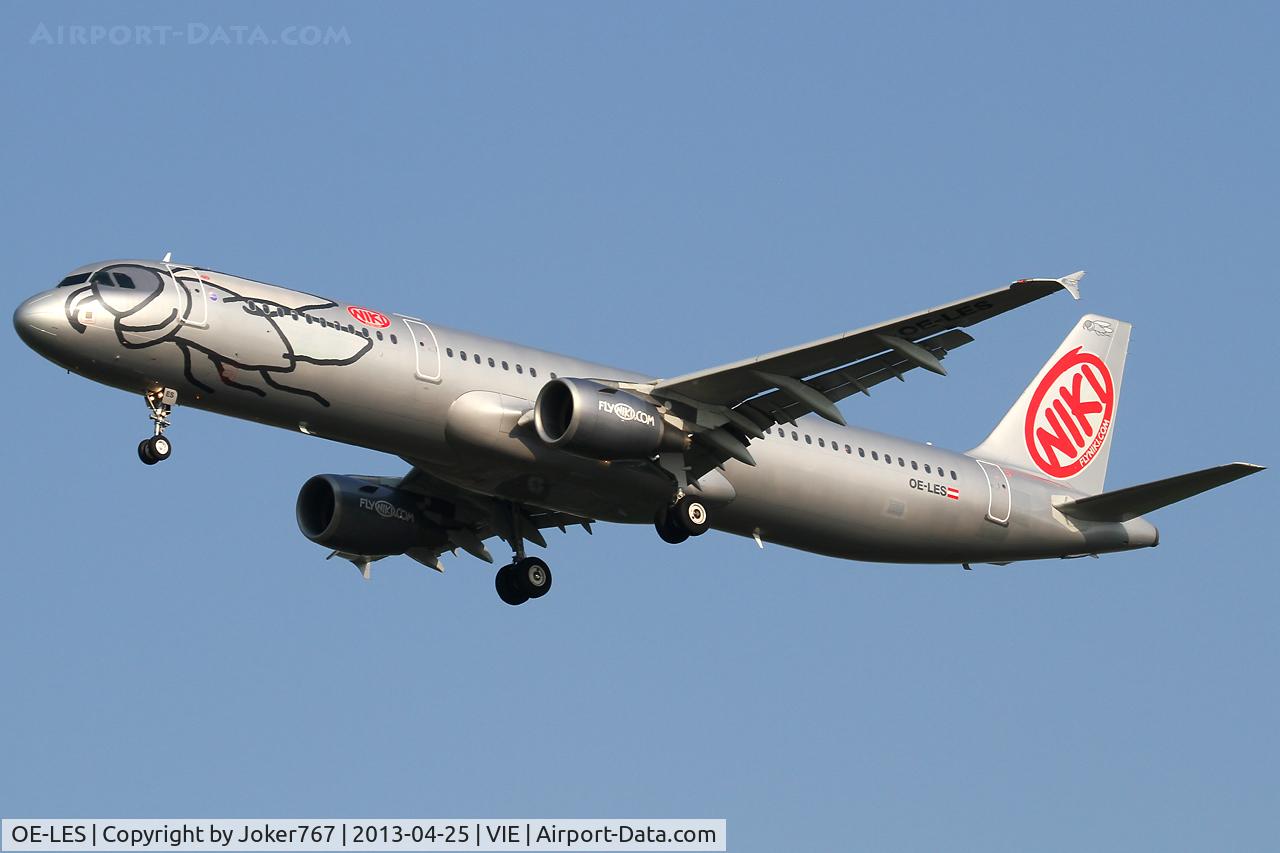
1061	426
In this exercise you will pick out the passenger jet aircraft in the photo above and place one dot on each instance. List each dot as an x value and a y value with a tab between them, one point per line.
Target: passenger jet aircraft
506	441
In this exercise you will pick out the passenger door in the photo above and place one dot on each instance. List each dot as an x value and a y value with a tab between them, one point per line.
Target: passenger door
999	498
425	349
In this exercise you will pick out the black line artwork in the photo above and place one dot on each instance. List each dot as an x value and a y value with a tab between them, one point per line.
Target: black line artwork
117	288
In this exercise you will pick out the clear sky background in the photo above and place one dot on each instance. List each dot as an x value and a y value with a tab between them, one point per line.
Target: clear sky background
663	187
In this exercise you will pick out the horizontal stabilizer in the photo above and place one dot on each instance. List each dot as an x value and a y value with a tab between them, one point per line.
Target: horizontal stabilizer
1124	504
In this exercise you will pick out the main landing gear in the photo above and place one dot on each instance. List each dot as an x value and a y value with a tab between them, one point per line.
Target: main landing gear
687	517
157	448
526	578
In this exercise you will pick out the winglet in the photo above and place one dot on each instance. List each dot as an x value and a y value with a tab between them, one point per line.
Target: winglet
1071	283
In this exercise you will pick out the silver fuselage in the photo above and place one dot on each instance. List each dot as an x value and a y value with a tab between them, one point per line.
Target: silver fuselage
449	401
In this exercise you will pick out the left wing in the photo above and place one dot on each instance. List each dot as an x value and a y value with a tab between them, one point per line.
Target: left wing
731	404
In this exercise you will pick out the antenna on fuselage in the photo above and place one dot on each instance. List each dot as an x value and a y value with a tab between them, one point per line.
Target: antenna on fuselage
168	256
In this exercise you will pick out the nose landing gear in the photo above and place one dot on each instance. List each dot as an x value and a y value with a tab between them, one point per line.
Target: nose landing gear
157	448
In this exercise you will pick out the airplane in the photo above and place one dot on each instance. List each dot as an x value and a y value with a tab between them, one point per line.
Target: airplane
507	441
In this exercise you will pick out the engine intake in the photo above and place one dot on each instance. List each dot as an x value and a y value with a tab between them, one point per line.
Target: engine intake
357	516
591	419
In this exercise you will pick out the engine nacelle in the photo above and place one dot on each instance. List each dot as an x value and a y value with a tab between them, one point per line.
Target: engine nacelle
591	419
357	516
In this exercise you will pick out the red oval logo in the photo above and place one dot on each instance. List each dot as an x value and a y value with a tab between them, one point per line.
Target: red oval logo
1070	414
370	318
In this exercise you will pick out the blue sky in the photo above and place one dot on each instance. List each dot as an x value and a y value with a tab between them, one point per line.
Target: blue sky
663	187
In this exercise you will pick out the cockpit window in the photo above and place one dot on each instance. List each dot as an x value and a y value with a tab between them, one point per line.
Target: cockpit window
72	280
102	278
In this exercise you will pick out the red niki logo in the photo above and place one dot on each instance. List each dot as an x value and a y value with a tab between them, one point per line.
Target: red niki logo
369	318
1070	414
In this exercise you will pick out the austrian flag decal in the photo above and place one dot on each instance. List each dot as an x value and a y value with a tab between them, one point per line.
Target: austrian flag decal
1070	414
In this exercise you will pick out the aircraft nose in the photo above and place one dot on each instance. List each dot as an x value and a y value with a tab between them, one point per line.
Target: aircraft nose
37	320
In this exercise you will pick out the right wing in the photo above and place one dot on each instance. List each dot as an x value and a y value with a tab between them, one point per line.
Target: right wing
464	520
468	518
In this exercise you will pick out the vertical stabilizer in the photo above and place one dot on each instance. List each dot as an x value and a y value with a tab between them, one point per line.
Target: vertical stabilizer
1061	427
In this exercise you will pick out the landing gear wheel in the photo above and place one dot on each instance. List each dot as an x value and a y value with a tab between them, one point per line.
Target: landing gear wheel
159	447
504	582
663	523
144	452
532	577
690	515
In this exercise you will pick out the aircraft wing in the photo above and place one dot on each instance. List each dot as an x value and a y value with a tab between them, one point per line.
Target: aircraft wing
469	518
732	403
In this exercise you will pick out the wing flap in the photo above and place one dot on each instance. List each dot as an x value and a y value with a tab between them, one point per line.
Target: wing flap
780	407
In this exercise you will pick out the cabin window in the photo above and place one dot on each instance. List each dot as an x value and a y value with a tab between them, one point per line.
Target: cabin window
393	339
505	366
953	474
462	354
914	465
379	334
553	374
447	350
476	356
902	463
808	439
862	453
519	369
492	363
533	371
821	443
795	436
875	456
888	458
927	469
848	449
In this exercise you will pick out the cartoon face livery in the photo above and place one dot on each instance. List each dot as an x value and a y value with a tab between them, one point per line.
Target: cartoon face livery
141	305
146	305
1070	414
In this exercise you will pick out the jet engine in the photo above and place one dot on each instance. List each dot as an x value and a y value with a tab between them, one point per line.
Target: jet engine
590	419
358	516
